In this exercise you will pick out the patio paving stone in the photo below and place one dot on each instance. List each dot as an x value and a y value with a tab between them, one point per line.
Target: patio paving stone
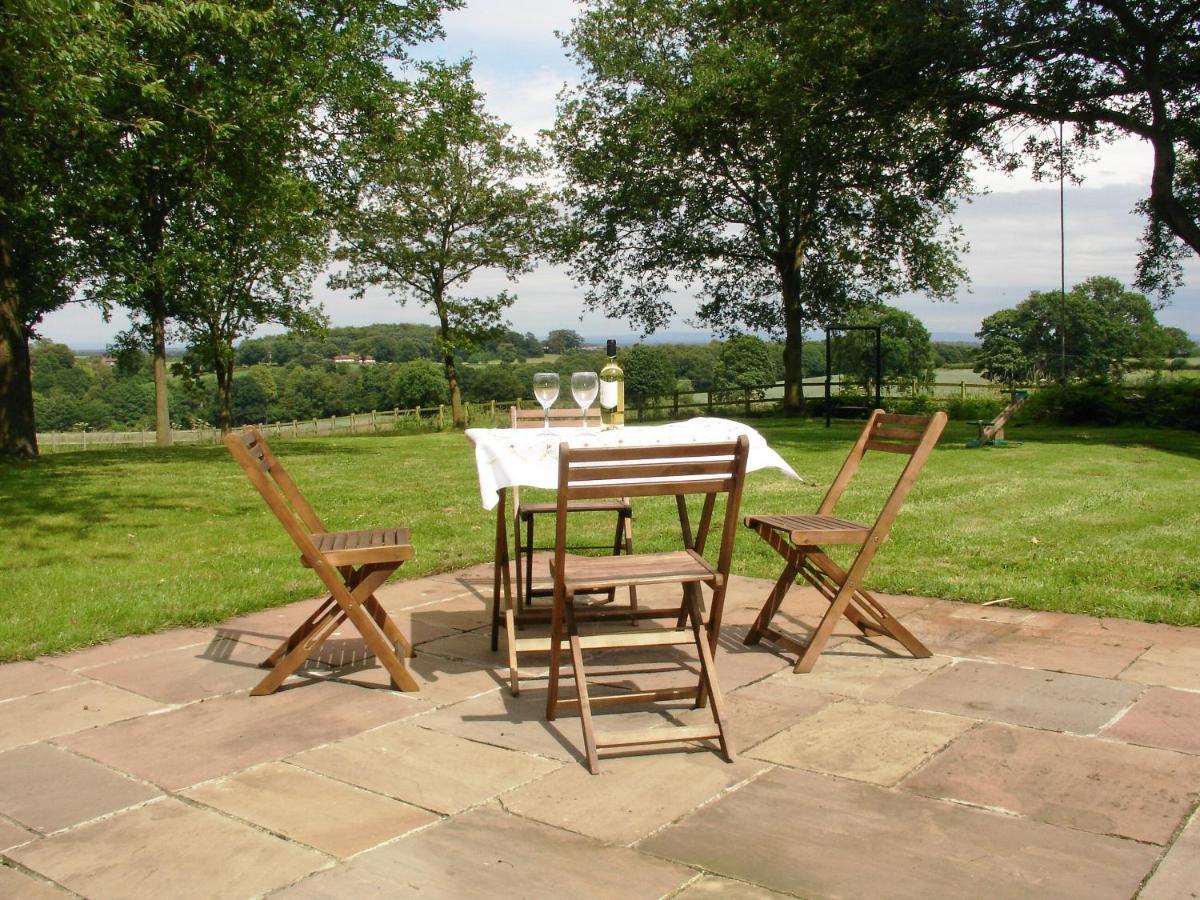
751	719
20	679
443	681
1062	650
129	647
864	741
626	802
269	628
492	855
221	666
15	885
231	733
329	815
65	710
1161	717
725	889
1039	699
519	723
46	788
948	630
861	671
1099	786
1171	665
426	768
1178	874
168	849
12	834
822	837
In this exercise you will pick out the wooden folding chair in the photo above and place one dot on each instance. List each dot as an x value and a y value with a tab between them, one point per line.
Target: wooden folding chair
524	514
351	564
679	470
798	539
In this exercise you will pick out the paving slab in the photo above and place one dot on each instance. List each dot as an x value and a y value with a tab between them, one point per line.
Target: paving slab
862	671
1161	717
1178	874
443	681
429	769
231	733
725	889
129	647
1171	665
15	885
22	678
1003	693
753	716
77	707
1059	649
332	816
492	855
1100	786
221	666
626	802
46	788
817	836
864	741
519	723
12	834
954	629
168	849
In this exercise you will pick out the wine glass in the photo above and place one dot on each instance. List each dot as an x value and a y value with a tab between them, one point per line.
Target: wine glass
584	386
545	389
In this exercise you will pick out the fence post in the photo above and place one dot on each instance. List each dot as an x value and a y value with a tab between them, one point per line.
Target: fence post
441	416
675	404
492	409
962	390
710	401
747	390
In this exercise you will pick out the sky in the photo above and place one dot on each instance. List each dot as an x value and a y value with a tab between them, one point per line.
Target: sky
1012	229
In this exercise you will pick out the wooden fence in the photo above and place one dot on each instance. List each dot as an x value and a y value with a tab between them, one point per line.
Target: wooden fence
739	401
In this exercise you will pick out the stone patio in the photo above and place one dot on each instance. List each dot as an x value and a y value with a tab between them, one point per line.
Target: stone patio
1035	755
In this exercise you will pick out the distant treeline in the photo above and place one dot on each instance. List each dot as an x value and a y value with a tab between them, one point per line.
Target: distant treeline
295	377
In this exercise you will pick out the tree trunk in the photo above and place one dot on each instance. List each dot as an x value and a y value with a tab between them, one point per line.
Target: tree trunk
162	412
793	340
224	373
18	432
456	404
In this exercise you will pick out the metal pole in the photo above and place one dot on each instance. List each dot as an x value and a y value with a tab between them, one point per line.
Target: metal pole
878	367
828	375
1062	260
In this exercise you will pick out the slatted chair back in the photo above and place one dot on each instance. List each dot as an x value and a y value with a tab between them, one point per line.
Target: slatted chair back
679	470
914	436
272	481
562	417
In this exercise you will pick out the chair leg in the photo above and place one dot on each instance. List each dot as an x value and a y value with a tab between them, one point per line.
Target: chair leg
528	562
771	606
298	636
556	635
708	675
581	691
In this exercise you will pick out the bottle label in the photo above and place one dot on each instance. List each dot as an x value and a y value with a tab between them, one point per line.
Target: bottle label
608	394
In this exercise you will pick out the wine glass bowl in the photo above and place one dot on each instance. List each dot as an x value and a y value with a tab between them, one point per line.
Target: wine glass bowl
584	386
545	390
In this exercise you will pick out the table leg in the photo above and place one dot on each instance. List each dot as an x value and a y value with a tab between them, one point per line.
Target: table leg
502	584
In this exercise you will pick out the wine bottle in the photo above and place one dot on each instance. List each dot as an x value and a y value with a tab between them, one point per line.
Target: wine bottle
612	390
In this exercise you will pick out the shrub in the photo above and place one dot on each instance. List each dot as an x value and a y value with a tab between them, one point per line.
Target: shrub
974	409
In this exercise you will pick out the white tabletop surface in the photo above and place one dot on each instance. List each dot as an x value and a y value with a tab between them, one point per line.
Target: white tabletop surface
525	456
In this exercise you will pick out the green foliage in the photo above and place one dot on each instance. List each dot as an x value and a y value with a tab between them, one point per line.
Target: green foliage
1098	330
1169	404
974	409
420	383
787	161
744	361
443	190
906	352
954	354
563	340
648	374
1109	69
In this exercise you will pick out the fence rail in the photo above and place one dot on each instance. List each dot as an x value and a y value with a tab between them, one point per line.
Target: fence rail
491	413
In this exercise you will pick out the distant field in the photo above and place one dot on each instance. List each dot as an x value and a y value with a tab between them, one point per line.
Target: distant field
114	542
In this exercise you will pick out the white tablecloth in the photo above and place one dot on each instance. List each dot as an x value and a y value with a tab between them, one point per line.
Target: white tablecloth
524	456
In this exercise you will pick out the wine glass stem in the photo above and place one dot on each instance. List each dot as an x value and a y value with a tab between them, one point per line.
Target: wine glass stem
546	413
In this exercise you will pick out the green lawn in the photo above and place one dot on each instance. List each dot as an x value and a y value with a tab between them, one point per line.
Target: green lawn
106	543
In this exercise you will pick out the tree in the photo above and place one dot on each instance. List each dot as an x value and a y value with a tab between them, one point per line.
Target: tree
905	349
563	340
791	161
648	374
744	361
420	383
56	59
444	191
1106	329
1109	67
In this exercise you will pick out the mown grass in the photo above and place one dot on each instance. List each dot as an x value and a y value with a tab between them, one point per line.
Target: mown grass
107	543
